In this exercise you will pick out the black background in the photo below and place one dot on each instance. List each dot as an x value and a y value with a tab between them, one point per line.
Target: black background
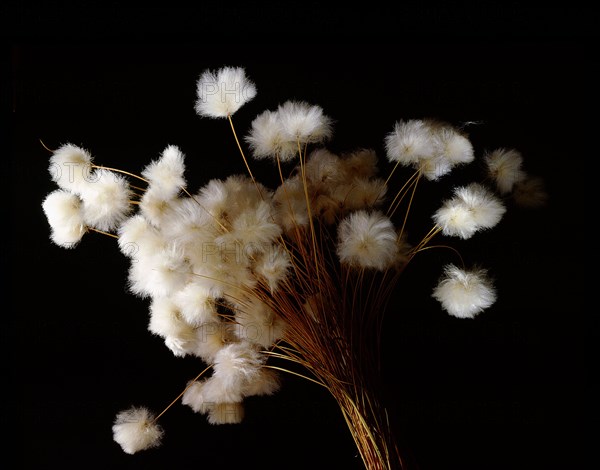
506	390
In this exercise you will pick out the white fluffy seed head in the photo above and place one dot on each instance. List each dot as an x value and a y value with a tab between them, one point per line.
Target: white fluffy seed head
273	266
367	240
256	322
409	142
463	293
194	398
166	321
65	217
453	145
456	219
266	382
234	366
486	209
267	140
211	337
196	305
70	167
138	239
504	167
221	93
105	197
134	429
166	175
303	123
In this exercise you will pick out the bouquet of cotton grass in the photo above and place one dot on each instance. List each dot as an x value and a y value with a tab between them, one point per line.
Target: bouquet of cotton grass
241	275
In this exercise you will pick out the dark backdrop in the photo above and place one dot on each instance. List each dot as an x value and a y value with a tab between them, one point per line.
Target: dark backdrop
503	391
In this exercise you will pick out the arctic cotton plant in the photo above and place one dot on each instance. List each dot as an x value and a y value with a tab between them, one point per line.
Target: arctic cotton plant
239	274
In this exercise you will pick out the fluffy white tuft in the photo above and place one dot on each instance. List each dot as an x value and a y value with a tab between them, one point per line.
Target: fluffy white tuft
222	93
367	240
266	382
195	304
304	123
106	197
194	398
485	207
235	365
70	167
409	142
267	140
464	294
453	145
135	430
138	238
165	175
65	217
273	266
456	219
211	337
504	167
257	323
160	274
166	321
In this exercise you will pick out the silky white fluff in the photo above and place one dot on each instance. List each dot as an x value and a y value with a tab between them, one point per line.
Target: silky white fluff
194	398
226	413
409	142
485	207
105	197
254	230
367	240
456	219
65	216
273	266
266	382
166	175
139	239
453	145
235	365
159	274
256	322
135	430
267	140
530	192
504	167
70	167
195	304
304	123
211	337
433	168
166	321
154	207
221	93
463	293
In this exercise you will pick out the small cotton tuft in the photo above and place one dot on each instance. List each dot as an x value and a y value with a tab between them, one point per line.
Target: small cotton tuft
222	93
134	430
367	240
106	197
165	175
464	294
304	123
409	142
65	217
70	167
225	413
